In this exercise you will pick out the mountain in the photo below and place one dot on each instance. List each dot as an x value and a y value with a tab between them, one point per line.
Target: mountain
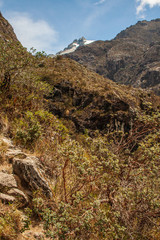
79	153
6	30
131	58
74	45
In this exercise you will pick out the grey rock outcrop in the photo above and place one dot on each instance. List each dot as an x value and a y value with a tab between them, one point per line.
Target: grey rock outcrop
18	194
27	175
9	191
30	174
7	181
12	153
6	198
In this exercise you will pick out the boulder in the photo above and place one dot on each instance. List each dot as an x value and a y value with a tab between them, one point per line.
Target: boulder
30	174
6	198
18	194
7	181
9	150
11	153
9	191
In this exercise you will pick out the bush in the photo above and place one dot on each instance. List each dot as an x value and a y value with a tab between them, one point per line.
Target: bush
28	130
10	222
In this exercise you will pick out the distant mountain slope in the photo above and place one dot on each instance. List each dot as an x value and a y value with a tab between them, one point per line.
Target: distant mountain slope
74	45
132	58
90	101
6	30
143	31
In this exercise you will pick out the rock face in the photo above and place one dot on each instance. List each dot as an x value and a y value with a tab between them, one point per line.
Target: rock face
7	181
132	58
9	191
29	173
91	103
7	198
89	110
6	30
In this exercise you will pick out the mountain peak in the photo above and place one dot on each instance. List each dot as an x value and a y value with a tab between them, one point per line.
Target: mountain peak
143	31
131	58
74	45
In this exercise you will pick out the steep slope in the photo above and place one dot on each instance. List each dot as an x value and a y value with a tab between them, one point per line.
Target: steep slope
144	31
132	58
6	30
90	102
79	154
85	152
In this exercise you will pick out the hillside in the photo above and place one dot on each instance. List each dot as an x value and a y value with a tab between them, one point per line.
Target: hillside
131	58
6	30
79	153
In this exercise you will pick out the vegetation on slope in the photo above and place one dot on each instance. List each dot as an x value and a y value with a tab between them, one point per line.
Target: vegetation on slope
99	144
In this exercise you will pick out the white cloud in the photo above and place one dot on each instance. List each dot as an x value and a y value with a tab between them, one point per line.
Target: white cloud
31	33
99	2
143	3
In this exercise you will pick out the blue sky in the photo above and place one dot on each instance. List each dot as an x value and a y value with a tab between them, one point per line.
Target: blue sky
50	25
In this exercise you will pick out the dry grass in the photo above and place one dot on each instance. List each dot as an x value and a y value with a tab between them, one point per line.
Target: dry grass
3	149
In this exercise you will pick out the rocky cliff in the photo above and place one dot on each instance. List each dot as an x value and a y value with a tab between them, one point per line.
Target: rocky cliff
6	30
132	58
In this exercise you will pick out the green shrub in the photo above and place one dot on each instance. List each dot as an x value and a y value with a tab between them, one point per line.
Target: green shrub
28	130
10	222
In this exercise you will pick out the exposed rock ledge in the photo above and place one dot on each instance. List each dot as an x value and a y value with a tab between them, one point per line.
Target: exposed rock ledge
29	173
25	168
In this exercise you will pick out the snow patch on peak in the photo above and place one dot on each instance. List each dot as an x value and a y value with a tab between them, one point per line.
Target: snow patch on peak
88	42
74	45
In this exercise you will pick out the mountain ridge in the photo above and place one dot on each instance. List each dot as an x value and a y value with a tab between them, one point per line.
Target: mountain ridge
131	58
